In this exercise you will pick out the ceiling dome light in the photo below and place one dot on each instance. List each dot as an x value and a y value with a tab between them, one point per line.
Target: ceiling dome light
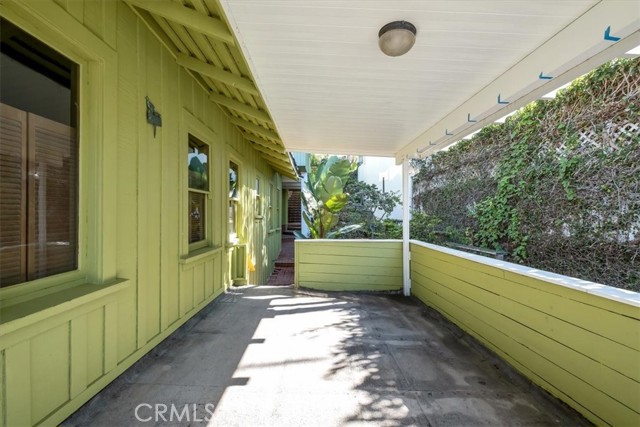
397	38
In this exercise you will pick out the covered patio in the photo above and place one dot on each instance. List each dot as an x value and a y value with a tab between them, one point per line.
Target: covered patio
275	356
153	323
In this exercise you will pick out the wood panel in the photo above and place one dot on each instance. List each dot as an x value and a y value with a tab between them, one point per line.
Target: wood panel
512	273
49	369
78	357
142	196
365	265
580	349
172	191
151	165
574	308
53	360
199	282
128	113
186	291
95	355
18	384
81	349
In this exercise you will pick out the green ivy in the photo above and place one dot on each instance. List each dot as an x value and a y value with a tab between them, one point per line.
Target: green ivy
530	187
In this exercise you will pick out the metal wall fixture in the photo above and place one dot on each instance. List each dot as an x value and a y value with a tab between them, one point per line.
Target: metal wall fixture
153	117
397	38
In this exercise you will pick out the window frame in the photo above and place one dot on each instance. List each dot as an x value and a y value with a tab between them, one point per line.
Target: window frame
96	131
272	201
191	126
234	238
258	199
193	246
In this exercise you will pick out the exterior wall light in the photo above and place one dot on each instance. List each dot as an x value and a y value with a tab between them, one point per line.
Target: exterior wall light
397	38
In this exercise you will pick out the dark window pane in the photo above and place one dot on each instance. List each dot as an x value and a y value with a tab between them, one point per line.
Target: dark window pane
52	232
198	162
233	211
233	180
196	217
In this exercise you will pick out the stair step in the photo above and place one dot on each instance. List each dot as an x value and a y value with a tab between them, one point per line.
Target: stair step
285	264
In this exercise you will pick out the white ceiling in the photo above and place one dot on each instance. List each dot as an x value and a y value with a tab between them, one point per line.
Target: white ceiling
330	89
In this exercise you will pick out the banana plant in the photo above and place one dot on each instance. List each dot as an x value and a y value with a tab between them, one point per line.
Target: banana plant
324	196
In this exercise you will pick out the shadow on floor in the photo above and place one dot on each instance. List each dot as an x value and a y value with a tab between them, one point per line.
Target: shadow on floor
273	356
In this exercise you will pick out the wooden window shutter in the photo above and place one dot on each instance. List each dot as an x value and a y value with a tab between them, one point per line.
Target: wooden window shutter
52	201
13	195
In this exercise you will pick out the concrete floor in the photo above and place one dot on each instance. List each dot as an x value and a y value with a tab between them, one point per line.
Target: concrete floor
272	356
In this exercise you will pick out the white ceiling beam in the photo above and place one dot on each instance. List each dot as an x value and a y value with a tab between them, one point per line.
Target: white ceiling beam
263	152
272	148
284	172
190	18
216	73
258	130
290	170
271	156
277	146
268	150
240	107
605	31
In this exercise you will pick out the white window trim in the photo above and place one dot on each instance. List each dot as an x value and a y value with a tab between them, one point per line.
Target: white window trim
191	125
234	238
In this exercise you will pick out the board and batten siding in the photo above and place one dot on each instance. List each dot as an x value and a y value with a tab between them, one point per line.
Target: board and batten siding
578	340
348	265
60	343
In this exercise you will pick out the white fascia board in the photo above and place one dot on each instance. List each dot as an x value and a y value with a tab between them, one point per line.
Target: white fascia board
576	50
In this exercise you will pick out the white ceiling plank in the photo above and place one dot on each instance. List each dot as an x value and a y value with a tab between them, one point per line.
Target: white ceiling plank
580	45
328	88
353	9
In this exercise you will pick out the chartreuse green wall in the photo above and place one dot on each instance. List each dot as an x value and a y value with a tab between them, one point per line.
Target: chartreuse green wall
579	346
65	337
349	265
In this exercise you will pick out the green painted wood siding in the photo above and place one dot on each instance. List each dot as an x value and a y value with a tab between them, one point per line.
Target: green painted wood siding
349	265
61	341
581	347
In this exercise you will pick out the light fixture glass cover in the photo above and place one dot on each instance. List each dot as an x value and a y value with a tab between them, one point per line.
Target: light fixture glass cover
397	38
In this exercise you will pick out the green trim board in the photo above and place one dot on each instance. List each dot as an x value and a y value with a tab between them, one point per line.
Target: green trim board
349	265
36	310
582	347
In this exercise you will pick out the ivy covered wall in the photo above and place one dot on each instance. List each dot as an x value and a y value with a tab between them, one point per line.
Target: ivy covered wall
557	186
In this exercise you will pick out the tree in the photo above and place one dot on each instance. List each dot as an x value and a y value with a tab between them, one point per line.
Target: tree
324	196
370	207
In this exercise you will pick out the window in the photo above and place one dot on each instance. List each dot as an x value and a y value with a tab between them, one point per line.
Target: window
278	205
272	201
39	159
258	199
198	164
233	201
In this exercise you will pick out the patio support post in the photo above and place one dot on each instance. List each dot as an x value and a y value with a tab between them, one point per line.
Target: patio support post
406	279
